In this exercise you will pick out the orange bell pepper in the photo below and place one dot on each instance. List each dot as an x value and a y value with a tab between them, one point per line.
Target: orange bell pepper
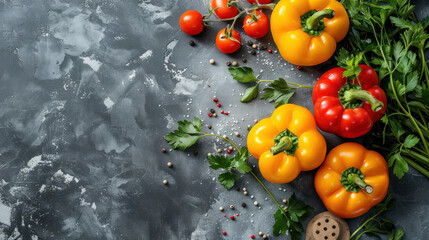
306	32
286	143
352	180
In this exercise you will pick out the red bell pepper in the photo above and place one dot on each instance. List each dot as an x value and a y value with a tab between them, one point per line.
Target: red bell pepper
346	107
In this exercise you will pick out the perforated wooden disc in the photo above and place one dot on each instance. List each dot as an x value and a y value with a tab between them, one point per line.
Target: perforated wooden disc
327	226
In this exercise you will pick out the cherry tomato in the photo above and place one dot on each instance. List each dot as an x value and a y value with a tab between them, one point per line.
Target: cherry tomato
227	45
223	11
260	1
191	22
258	28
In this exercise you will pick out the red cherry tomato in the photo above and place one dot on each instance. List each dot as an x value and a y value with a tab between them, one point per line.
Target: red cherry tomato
191	22
260	1
227	45
258	28
223	11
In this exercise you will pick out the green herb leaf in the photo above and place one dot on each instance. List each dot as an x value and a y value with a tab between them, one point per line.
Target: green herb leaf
375	226
411	141
240	163
412	81
387	203
220	162
242	74
250	94
425	96
186	135
297	210
280	226
291	219
400	166
278	91
397	235
343	57
227	179
401	23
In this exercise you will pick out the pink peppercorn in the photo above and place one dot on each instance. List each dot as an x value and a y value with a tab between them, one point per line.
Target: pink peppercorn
215	100
236	214
228	151
210	114
298	67
252	236
218	104
270	51
226	113
224	215
224	233
232	217
222	111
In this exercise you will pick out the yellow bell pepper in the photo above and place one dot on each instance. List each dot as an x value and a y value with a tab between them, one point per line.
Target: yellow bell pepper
352	180
306	32
286	143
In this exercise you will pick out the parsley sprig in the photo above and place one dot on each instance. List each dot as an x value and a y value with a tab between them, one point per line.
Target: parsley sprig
374	226
278	91
287	219
389	37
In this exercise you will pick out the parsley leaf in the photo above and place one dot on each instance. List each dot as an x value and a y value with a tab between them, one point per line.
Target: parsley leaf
243	74
297	210
290	219
250	94
278	91
186	135
220	162
227	179
397	235
240	161
280	226
373	226
400	166
411	141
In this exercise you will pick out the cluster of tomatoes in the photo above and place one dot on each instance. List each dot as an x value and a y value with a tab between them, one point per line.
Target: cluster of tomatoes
256	24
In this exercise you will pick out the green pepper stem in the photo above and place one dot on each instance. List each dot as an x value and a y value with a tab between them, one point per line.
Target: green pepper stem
313	21
358	94
360	182
283	145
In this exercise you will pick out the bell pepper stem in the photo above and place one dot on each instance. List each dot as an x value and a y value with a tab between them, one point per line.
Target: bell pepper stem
361	183
283	145
358	94
313	21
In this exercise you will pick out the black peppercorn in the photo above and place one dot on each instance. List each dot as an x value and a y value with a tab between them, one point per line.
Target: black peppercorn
237	188
243	205
250	43
209	126
212	110
253	52
228	63
244	60
195	152
192	43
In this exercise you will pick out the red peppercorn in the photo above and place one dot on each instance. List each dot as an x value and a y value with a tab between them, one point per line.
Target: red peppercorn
236	214
224	233
224	215
163	150
228	151
252	236
270	51
232	217
226	113
210	114
218	104
298	67
215	100
222	111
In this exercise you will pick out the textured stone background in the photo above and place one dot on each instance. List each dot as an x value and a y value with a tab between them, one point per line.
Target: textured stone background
88	89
